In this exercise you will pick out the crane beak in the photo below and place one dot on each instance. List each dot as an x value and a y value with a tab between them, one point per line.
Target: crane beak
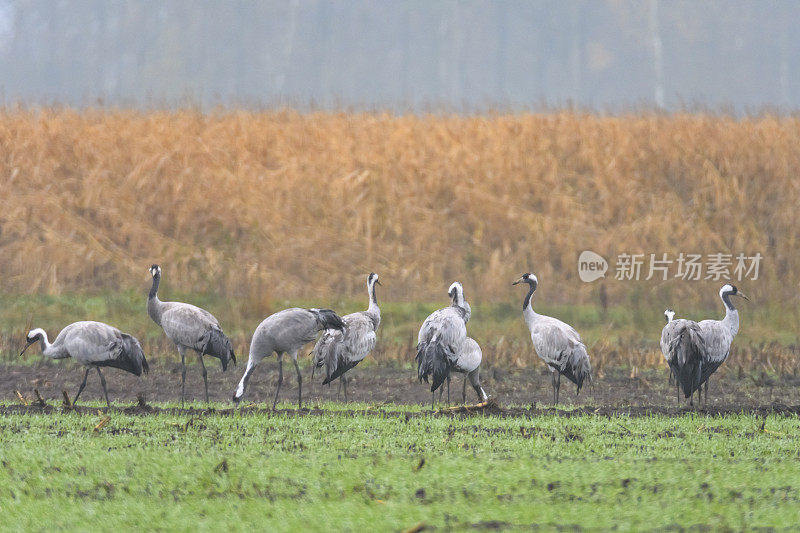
517	282
378	282
26	347
740	293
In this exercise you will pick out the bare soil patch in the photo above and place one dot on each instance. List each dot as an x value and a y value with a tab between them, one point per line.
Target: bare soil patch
515	392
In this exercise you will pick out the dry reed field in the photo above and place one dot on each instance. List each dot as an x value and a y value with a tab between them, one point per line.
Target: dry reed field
273	206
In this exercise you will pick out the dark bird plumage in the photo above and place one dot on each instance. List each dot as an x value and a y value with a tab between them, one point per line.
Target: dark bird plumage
685	356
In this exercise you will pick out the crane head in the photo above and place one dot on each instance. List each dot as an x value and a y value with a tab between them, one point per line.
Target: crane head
455	290
528	278
373	279
155	270
31	338
669	314
731	290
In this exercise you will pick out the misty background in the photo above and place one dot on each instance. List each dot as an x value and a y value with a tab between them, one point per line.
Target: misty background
612	55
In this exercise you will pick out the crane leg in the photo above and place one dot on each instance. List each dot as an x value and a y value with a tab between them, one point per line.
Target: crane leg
475	381
433	395
299	382
205	373
344	386
553	380
558	385
203	365
280	380
103	383
182	351
80	389
464	391
448	390
709	379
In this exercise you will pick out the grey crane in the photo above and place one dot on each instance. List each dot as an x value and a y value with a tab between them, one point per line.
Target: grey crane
683	347
469	364
441	339
341	350
189	326
556	343
92	344
718	335
286	332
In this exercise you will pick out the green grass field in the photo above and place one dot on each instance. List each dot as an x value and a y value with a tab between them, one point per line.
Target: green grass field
375	470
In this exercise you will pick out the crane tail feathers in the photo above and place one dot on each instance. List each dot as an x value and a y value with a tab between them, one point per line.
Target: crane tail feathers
217	344
432	361
578	368
329	319
686	356
129	356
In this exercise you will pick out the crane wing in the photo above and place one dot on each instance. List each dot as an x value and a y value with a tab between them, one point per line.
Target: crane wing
359	337
187	324
470	357
92	342
718	339
554	341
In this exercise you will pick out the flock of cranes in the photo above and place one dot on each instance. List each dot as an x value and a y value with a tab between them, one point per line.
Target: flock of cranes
693	351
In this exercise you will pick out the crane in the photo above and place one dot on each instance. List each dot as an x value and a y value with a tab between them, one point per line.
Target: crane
341	350
94	345
556	343
718	335
469	364
683	347
286	332
189	326
441	339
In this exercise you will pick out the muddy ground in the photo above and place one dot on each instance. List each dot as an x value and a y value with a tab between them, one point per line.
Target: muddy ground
528	389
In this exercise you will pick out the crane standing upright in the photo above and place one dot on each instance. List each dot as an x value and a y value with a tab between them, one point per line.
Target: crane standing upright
441	339
718	335
683	348
189	326
341	350
556	343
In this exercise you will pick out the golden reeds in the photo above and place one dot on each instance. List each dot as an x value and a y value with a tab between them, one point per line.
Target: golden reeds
286	205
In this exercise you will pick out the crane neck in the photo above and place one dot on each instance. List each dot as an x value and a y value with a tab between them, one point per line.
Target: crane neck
726	299
527	305
154	288
461	303
48	349
44	343
153	303
731	319
373	298
467	310
373	311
